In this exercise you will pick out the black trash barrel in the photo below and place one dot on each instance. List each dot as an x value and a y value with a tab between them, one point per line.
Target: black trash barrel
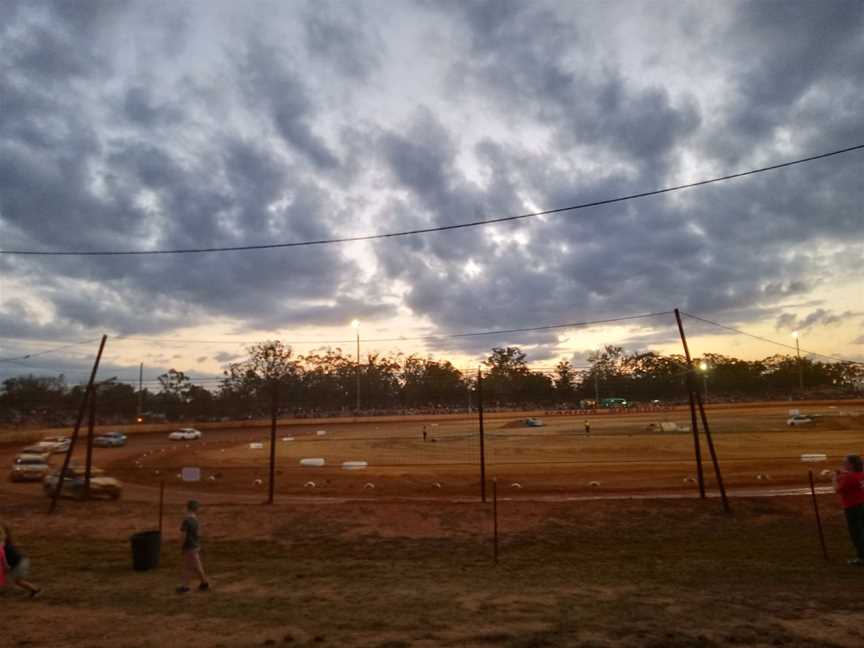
145	550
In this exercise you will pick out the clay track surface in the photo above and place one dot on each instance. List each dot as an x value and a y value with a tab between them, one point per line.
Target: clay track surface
757	452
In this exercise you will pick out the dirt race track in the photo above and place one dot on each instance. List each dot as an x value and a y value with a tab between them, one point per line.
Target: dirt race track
755	447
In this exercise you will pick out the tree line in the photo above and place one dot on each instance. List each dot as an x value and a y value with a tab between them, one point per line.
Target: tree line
326	382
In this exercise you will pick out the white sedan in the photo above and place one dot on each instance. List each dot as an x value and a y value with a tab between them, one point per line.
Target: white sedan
185	434
798	419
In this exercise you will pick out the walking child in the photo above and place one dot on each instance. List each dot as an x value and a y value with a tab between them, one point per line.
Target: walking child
16	564
192	567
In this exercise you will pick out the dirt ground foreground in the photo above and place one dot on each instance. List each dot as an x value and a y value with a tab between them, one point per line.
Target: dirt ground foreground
421	573
409	562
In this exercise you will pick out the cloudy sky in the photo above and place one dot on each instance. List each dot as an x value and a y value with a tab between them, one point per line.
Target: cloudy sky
161	125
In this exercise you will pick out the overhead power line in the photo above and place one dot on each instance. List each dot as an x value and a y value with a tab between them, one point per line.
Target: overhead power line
769	340
529	329
441	228
420	338
46	351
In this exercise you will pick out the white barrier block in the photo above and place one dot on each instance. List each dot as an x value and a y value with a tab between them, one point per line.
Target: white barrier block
354	465
814	457
312	462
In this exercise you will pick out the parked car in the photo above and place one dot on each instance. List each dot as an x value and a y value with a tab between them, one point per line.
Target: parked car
73	484
110	440
55	445
798	419
29	468
185	434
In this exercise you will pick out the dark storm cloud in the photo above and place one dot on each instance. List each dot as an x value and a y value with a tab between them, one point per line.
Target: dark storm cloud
59	166
719	250
796	63
819	317
120	133
272	78
341	35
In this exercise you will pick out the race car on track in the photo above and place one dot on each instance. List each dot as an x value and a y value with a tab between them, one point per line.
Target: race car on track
55	445
185	434
73	484
29	467
110	440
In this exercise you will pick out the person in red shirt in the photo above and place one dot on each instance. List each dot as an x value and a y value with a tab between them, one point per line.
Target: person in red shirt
849	485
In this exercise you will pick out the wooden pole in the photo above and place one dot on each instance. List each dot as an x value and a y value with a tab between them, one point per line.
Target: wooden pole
140	407
717	474
91	424
818	517
495	515
482	435
274	406
161	504
81	409
697	449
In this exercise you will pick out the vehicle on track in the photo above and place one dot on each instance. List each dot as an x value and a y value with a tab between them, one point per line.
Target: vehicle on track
534	422
614	402
185	434
34	451
73	484
110	440
55	445
798	419
29	467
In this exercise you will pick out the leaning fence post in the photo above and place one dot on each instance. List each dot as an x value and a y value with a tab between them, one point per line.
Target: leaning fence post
495	517
818	517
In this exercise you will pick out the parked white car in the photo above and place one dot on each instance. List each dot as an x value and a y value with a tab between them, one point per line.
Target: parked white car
798	419
185	434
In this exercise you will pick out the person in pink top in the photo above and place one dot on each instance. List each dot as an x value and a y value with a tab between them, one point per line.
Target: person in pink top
849	485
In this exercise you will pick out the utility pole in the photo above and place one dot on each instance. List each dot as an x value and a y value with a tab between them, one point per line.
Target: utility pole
88	464
800	366
140	392
695	395
482	440
81	411
356	326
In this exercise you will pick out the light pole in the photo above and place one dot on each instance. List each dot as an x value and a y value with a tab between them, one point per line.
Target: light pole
355	324
800	368
704	367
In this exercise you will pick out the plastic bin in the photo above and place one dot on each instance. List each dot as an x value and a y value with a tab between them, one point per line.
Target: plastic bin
146	547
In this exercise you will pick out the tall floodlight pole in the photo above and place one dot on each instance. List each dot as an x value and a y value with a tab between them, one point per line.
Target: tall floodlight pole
355	324
800	367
